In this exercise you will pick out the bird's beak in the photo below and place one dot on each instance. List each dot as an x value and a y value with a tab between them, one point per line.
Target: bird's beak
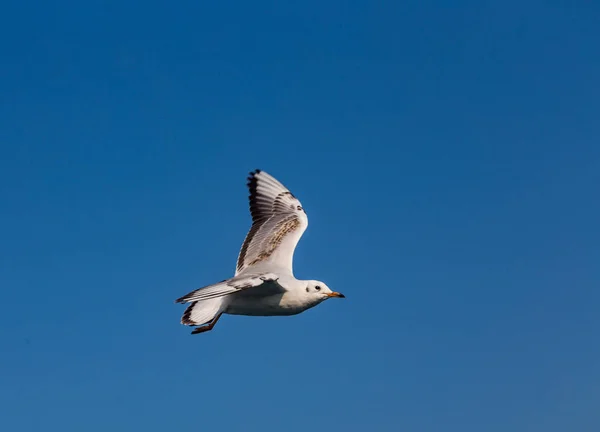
336	294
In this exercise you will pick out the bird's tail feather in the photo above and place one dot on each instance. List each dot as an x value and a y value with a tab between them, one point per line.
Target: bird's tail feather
203	311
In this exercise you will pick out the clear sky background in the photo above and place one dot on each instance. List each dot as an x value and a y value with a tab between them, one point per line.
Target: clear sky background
448	157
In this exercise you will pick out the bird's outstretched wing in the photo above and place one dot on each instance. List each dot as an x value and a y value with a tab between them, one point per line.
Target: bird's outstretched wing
263	284
278	222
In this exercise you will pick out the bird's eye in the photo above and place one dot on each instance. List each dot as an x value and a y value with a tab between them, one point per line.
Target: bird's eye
318	288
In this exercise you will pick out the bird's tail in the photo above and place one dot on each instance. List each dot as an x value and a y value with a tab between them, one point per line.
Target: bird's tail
203	311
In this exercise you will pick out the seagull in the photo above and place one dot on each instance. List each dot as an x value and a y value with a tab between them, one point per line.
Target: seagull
264	282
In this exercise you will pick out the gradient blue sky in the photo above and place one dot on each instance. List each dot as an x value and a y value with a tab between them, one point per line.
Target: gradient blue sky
449	161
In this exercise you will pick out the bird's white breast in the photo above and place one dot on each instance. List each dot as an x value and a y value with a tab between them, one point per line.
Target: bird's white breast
278	304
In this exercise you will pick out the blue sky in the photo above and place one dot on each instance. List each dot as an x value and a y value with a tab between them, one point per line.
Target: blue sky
448	158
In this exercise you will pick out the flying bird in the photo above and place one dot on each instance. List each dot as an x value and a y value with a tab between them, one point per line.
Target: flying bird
264	282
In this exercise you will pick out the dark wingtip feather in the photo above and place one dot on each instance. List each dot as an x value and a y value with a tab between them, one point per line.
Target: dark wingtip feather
254	213
252	184
252	174
181	299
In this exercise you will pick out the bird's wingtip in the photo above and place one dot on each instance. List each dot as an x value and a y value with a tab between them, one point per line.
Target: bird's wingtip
252	176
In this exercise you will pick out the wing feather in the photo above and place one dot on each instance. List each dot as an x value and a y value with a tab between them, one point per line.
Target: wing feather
278	222
233	285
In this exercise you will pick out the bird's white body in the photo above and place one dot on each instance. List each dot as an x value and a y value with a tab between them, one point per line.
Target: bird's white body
291	301
273	305
264	283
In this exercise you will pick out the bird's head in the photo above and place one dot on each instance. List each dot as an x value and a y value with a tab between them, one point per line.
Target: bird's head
320	291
